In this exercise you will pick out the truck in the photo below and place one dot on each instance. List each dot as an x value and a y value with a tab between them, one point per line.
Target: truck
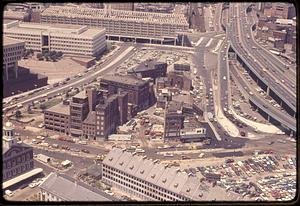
210	116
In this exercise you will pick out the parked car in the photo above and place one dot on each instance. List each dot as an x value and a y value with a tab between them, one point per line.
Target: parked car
85	151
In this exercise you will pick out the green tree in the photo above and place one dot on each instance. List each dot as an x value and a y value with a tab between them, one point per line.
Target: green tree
18	114
59	54
29	109
39	55
42	107
53	53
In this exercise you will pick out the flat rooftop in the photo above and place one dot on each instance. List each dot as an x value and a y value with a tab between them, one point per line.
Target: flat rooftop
81	95
9	41
174	107
116	15
60	108
37	28
148	65
123	79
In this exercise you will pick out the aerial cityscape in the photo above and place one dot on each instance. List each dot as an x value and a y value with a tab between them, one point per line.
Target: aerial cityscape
181	101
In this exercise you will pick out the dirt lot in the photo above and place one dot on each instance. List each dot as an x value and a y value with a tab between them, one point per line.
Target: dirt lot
56	71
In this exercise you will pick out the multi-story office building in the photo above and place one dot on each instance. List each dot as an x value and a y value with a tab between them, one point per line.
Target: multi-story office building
57	118
12	52
137	89
17	79
119	23
147	179
71	39
279	10
60	187
17	158
173	120
79	110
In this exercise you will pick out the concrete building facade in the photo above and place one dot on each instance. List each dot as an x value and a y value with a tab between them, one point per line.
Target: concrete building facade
71	39
120	23
57	118
12	52
17	79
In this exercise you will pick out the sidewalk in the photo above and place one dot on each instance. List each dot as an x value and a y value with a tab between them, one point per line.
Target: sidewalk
270	129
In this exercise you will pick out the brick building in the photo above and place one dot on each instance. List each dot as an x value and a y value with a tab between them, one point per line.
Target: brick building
151	69
90	115
17	158
176	79
138	90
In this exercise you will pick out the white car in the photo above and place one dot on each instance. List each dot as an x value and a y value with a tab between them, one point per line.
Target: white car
9	193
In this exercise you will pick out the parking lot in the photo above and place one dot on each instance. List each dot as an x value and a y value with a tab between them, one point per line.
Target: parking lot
264	176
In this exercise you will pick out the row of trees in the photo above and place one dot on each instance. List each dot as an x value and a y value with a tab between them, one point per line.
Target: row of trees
27	53
53	55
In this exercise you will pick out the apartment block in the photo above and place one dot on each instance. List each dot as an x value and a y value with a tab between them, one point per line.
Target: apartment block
71	39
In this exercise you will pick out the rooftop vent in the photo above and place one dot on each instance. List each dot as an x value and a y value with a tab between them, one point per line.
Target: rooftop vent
121	163
152	176
164	180
142	171
188	190
176	185
131	167
110	159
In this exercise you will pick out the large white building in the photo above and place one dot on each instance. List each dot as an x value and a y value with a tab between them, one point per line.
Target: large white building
119	22
149	180
71	39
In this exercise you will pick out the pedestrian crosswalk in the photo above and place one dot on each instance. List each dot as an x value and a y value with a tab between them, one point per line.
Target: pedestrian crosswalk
209	42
